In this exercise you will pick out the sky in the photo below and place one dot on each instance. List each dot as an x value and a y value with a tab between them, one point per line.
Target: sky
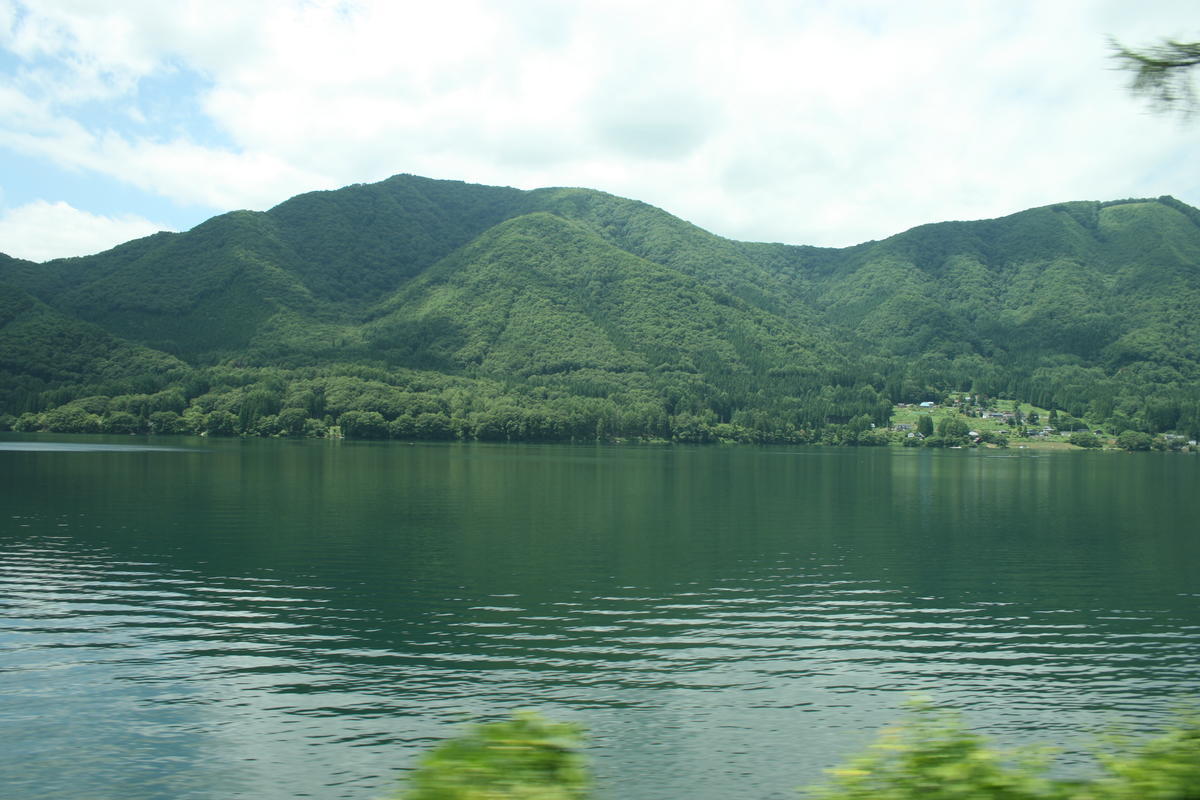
825	123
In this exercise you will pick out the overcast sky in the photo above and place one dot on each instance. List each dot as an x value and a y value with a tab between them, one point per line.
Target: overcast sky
805	122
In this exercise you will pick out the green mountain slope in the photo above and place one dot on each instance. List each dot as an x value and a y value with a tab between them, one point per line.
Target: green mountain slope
484	305
42	351
286	280
357	244
541	294
996	304
656	236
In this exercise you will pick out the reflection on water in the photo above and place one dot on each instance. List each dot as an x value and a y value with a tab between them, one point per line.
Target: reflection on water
282	619
87	447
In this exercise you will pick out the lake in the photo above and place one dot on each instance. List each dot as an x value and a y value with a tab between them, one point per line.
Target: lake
184	618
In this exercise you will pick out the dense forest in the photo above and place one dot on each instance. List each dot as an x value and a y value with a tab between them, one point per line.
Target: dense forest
415	308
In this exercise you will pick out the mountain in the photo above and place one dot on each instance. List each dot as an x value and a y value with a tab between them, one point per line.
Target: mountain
492	312
1074	294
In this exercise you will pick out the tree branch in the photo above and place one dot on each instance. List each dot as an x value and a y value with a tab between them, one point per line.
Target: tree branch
1162	73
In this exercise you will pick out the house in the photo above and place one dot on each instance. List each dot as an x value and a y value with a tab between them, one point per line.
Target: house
928	404
903	426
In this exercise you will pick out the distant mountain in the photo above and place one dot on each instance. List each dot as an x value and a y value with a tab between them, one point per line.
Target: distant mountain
557	313
1073	279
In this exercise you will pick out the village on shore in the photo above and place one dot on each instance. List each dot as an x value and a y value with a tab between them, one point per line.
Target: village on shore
978	420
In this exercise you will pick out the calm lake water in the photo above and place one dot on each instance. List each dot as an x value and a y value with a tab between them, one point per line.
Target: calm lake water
269	619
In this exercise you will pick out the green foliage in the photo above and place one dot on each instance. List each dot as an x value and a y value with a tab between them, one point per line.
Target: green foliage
255	404
994	437
953	428
220	423
122	422
932	756
358	243
1162	72
291	421
1084	439
167	423
27	422
1164	767
315	428
363	425
1134	440
70	419
523	758
433	426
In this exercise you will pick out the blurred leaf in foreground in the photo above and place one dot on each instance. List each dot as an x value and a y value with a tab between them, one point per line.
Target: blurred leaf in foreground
524	758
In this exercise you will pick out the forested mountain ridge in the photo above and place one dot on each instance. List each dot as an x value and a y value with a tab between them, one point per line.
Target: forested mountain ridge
1063	305
493	312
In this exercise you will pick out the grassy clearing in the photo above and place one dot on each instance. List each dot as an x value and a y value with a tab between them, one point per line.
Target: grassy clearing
909	415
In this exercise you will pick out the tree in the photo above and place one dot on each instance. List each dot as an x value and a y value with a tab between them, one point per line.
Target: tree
1066	422
433	426
953	428
994	437
70	419
860	423
291	421
925	425
1162	73
315	428
1189	419
1084	439
221	423
363	425
121	422
1134	440
256	403
267	425
166	422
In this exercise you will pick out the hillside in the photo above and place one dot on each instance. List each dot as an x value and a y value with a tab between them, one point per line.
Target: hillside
45	355
492	312
1086	306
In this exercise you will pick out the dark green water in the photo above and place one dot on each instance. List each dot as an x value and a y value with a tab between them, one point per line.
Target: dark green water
291	619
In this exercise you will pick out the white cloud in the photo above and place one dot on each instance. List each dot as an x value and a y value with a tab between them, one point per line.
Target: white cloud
182	170
804	122
40	231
